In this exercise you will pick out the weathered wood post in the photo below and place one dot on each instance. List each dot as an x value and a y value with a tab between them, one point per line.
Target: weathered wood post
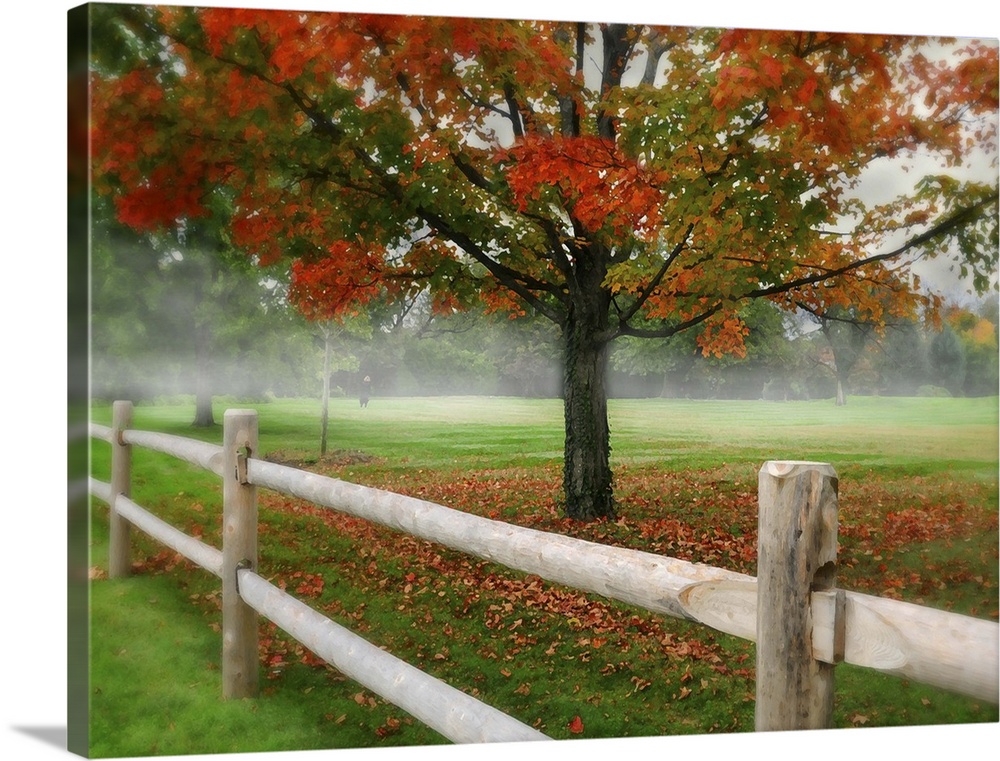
796	555
119	562
240	669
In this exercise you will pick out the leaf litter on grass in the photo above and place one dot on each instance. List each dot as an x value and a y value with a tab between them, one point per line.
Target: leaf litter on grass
691	515
450	614
542	631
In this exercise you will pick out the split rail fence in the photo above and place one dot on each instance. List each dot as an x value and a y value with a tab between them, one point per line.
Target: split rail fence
803	625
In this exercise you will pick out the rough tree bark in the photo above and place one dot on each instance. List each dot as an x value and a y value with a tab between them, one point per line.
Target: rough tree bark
587	478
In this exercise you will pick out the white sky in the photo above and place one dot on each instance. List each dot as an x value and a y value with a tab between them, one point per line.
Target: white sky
34	336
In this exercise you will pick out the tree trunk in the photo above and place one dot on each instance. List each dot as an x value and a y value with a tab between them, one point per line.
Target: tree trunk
841	393
326	391
587	478
203	417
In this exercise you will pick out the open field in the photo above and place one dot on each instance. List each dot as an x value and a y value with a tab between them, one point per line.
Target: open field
918	486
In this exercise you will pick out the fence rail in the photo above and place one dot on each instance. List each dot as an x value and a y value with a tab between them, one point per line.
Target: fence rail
193	549
944	649
451	712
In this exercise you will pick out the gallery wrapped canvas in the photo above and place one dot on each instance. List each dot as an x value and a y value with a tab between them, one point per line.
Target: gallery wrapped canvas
447	379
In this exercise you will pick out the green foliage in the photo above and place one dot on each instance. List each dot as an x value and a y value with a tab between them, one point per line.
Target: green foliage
977	331
180	312
947	359
686	370
445	369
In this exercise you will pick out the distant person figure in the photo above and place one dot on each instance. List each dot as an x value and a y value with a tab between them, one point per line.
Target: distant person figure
366	390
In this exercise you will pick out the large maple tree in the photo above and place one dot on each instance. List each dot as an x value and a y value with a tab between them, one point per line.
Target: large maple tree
619	180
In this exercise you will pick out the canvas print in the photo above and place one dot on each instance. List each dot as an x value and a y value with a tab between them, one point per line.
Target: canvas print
457	380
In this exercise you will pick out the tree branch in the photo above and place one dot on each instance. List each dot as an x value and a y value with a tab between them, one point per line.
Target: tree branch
665	331
953	222
654	283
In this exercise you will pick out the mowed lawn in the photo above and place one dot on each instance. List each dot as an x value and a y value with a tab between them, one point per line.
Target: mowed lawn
918	521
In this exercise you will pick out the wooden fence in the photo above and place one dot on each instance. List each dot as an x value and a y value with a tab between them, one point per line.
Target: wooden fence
802	623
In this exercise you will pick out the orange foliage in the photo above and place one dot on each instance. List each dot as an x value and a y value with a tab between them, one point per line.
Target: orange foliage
333	285
600	187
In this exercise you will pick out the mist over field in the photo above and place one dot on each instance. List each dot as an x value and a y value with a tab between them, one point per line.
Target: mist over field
145	357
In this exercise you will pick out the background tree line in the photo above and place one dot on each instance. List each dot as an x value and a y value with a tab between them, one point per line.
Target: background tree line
174	316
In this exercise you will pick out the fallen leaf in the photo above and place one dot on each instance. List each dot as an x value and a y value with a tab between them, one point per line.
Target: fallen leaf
576	726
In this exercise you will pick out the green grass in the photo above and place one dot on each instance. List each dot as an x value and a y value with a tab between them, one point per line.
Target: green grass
918	521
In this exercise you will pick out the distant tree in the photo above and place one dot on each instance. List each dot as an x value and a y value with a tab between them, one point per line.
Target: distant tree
179	312
769	360
491	352
946	357
671	360
899	357
442	367
847	335
686	368
978	336
989	309
526	354
336	338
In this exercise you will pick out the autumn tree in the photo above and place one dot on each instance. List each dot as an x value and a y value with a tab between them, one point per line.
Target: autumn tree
847	333
618	180
899	358
978	336
947	360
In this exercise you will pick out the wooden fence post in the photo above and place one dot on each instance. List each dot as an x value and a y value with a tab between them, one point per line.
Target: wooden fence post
240	669
796	555
119	562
